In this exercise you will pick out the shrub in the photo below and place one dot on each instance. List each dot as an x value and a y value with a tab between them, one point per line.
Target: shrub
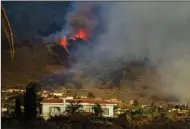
97	109
135	103
122	121
90	95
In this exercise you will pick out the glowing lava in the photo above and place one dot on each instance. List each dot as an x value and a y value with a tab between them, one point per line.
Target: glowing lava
81	33
64	43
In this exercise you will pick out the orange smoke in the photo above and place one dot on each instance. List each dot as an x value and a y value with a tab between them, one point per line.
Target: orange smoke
81	33
64	43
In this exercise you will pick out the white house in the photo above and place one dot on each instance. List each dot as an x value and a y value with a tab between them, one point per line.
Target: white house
3	109
57	94
14	90
52	107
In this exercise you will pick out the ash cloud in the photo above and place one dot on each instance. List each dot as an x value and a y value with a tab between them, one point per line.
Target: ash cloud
157	30
80	16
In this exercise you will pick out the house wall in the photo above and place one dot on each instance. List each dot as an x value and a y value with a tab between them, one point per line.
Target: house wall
109	107
46	108
111	112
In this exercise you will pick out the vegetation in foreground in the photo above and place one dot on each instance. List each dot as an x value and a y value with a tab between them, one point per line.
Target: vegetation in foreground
135	117
81	121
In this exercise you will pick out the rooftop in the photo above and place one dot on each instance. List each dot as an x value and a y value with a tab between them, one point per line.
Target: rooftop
91	101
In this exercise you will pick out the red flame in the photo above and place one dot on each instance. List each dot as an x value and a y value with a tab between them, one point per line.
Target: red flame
80	34
64	43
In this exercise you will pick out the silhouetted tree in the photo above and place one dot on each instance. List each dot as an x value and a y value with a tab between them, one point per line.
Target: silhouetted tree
115	107
69	93
74	107
90	95
97	109
30	101
135	103
18	112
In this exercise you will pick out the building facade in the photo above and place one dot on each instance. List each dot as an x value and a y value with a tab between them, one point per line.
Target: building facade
53	107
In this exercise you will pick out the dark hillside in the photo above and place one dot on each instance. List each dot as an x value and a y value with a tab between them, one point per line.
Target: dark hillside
31	63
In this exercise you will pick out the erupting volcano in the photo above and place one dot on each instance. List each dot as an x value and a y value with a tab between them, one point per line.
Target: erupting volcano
80	34
64	44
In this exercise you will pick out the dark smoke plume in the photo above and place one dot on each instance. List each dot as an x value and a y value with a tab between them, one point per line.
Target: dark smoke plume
159	31
82	17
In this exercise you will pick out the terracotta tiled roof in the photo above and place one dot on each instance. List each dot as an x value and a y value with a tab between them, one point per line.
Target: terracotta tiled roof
78	100
53	101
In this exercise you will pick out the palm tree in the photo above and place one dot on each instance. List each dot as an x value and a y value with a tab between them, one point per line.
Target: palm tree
97	109
74	107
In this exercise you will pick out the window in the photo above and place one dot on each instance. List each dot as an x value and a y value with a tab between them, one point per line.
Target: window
105	111
54	111
88	110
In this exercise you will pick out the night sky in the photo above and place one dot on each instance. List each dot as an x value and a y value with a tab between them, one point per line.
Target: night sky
27	20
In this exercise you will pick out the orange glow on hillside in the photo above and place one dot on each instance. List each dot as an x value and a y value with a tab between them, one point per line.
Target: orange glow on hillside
64	43
81	34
